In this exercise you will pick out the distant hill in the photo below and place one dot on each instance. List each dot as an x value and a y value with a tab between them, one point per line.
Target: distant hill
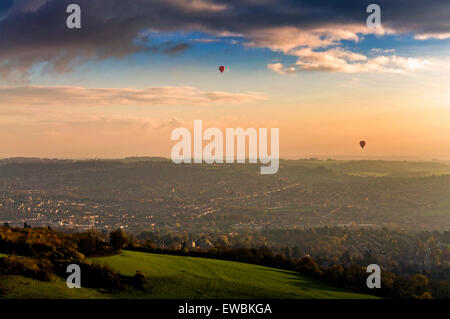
146	159
378	167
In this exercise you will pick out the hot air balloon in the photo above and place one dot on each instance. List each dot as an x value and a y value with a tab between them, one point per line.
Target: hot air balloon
221	68
362	144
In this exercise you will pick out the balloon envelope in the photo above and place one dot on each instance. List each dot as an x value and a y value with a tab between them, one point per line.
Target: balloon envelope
221	68
362	144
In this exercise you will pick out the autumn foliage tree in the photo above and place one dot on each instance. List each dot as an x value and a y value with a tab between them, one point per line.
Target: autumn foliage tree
118	239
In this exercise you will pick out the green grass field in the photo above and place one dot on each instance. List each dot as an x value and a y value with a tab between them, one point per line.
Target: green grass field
188	277
18	287
176	277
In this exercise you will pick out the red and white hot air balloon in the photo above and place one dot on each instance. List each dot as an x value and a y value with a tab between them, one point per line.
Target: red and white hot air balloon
221	68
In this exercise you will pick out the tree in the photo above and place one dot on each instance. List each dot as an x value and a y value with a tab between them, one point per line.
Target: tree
419	283
308	266
150	245
368	258
118	239
91	243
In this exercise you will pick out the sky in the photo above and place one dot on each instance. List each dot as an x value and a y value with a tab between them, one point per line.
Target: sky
138	69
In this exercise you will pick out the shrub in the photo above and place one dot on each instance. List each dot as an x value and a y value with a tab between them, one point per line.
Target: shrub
2	291
139	280
40	269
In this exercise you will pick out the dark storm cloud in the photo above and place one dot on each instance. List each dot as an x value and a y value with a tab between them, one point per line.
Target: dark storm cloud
430	16
35	30
4	6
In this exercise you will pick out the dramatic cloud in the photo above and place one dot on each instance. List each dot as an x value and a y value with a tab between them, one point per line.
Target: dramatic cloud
34	31
426	36
340	60
285	39
90	97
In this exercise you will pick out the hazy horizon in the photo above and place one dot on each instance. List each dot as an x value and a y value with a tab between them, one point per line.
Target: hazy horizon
285	157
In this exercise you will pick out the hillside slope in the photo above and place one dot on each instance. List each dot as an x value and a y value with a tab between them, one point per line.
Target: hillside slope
176	277
189	277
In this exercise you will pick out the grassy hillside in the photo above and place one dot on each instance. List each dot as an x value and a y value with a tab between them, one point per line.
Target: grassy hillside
188	277
175	277
18	287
